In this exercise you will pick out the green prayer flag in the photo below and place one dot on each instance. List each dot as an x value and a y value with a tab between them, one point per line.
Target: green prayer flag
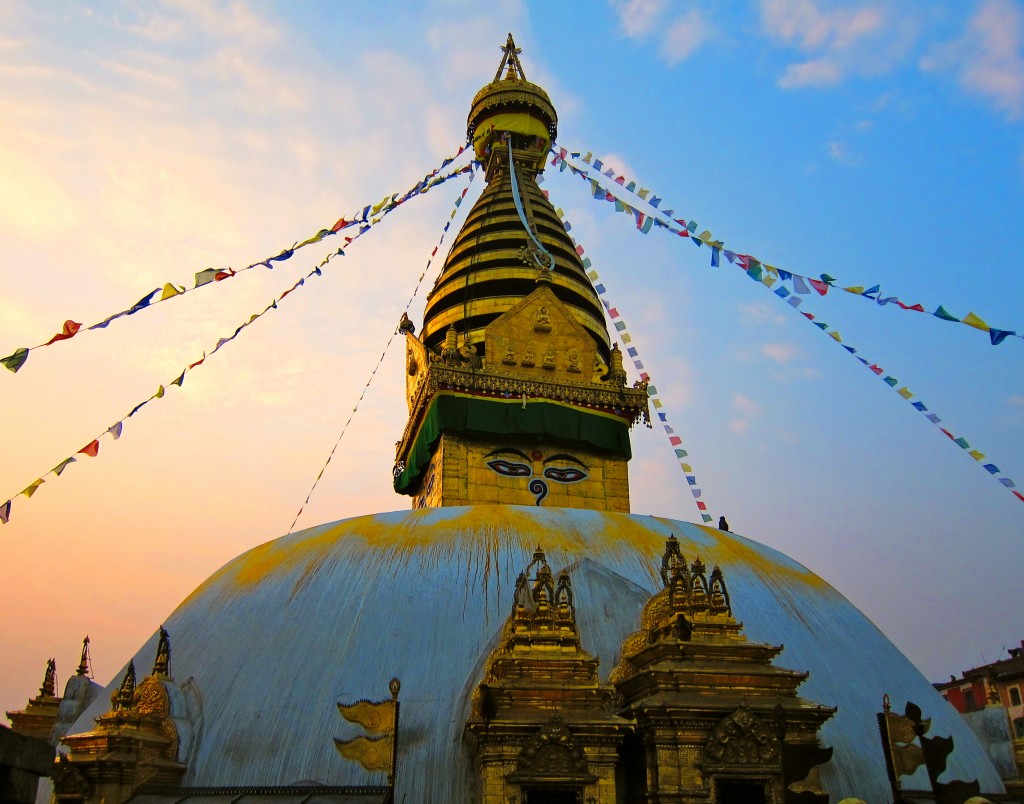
17	360
944	314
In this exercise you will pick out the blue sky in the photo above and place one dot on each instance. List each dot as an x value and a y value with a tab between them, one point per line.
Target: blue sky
878	142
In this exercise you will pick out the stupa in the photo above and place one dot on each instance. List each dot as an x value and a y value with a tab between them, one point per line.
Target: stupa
519	635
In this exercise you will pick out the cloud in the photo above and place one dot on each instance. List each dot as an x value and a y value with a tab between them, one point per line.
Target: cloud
618	164
866	40
839	151
821	72
1016	401
640	19
780	352
637	18
683	37
745	409
988	58
759	313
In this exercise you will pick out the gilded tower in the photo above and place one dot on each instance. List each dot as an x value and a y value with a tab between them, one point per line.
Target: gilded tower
514	394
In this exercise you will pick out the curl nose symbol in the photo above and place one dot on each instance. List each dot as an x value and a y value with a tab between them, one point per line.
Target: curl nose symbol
539	488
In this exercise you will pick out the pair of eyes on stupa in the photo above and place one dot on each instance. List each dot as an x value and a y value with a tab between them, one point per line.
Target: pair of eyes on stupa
561	468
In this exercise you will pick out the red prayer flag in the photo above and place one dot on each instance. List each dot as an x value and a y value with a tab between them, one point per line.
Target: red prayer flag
701	506
579	250
877	369
91	449
916	307
341	224
68	331
818	285
675	441
1019	496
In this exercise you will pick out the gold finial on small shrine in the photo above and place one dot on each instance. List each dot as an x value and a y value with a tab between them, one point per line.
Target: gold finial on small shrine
124	696
49	688
162	664
83	663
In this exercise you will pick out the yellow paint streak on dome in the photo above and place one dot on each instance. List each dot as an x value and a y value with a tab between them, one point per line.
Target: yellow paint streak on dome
480	531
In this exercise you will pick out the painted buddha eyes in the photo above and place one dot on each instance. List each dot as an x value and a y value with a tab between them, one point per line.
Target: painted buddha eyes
510	469
568	475
567	469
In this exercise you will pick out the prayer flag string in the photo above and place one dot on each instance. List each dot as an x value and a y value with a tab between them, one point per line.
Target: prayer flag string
783	293
367	216
606	185
92	448
768	276
626	339
387	346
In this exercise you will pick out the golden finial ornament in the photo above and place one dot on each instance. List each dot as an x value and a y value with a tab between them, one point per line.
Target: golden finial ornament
124	696
49	688
162	664
83	662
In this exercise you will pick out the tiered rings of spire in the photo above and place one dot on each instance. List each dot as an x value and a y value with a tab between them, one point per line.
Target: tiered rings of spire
494	262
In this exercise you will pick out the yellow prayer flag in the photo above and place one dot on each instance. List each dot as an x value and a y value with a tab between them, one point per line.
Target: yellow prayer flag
687	467
29	490
835	336
704	236
972	320
626	338
374	755
768	281
376	718
904	392
159	393
657	403
171	290
770	269
314	239
858	289
978	456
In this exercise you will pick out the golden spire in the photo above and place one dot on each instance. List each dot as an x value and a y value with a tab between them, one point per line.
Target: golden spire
162	665
124	696
511	60
83	663
49	688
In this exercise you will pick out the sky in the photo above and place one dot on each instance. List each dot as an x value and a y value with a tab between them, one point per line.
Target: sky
878	142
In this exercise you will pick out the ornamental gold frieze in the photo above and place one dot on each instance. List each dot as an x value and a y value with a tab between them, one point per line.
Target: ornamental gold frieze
520	93
631	401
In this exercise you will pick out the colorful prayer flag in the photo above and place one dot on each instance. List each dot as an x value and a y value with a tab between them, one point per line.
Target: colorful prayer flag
15	360
91	449
68	331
